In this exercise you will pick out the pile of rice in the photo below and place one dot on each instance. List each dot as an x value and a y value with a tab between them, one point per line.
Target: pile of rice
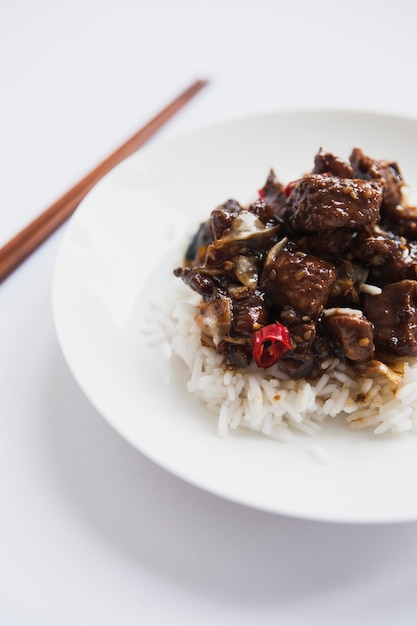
270	402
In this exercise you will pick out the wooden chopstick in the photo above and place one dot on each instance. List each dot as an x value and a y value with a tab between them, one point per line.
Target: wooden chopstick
13	253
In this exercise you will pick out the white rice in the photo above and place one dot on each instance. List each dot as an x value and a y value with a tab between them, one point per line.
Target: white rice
270	402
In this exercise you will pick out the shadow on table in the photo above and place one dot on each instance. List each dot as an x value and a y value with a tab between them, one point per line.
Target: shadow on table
216	548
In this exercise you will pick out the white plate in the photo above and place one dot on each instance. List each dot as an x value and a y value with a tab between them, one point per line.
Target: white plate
121	246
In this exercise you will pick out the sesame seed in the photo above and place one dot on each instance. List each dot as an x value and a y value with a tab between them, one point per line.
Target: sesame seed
300	275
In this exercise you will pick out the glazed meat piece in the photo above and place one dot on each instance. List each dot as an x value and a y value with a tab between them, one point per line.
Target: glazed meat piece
310	348
390	257
264	211
300	361
351	334
237	354
328	163
200	281
320	202
402	221
249	312
292	278
274	194
221	218
376	247
394	316
388	173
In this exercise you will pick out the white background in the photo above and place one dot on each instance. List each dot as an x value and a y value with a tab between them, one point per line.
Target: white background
91	532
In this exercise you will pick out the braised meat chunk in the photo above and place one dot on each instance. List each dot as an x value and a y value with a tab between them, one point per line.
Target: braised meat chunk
249	312
297	279
388	173
273	192
302	359
200	280
352	334
402	220
321	202
222	217
328	163
390	258
394	316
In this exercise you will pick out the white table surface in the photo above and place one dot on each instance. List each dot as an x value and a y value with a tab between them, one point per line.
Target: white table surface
92	532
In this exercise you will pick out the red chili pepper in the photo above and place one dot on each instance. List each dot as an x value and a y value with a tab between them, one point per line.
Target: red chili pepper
270	343
288	188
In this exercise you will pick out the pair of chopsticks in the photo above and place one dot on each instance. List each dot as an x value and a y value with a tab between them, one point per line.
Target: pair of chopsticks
13	253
